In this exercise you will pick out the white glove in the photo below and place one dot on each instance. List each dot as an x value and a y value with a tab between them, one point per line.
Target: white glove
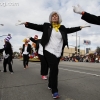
6	56
78	9
29	55
29	37
84	26
20	23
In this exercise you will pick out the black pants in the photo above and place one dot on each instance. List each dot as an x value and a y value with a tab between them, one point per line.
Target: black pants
44	67
7	61
25	60
53	62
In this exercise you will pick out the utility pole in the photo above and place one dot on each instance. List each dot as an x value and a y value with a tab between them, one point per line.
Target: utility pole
79	45
76	43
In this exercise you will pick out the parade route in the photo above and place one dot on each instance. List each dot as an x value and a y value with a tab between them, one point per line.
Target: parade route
76	81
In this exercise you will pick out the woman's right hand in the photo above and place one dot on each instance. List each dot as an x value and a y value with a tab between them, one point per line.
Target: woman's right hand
20	23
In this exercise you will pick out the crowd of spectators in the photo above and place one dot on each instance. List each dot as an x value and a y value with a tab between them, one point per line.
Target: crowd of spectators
80	58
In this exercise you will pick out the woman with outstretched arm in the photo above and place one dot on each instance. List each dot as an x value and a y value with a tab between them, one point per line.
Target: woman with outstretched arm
54	39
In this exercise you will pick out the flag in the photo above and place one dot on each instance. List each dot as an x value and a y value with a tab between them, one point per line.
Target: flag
86	42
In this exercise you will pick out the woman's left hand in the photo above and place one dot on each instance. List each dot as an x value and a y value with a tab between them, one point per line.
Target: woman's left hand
85	26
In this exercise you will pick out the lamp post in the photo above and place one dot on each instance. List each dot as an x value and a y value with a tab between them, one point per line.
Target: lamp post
76	43
79	45
3	35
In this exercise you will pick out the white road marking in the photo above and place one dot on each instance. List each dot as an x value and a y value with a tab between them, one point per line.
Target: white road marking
76	71
80	72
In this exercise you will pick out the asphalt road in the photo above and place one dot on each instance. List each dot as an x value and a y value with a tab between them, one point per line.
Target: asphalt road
77	81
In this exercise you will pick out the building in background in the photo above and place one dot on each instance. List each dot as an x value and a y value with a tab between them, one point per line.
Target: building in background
71	51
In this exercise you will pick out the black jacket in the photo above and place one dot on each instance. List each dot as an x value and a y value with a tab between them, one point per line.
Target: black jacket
37	42
46	28
91	18
28	48
8	49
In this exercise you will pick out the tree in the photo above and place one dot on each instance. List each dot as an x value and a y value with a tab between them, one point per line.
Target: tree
16	54
98	50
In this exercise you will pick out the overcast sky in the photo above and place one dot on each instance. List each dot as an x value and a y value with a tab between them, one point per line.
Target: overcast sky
37	11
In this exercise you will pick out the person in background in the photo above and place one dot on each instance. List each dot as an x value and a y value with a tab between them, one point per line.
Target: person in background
26	51
39	49
34	46
8	54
